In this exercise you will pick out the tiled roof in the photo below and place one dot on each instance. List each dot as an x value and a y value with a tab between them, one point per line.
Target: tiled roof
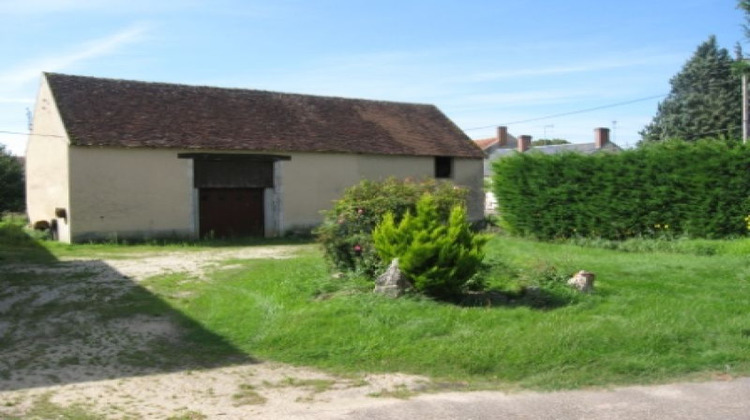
585	148
484	144
122	113
553	149
491	144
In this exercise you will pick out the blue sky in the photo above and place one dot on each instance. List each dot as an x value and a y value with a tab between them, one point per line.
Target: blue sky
483	63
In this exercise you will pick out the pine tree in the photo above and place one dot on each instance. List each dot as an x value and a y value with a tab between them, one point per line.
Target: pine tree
705	100
744	5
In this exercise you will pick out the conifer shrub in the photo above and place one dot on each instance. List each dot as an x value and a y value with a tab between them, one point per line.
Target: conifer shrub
346	231
439	257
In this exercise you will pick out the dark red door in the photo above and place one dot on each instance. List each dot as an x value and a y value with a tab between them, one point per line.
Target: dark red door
226	212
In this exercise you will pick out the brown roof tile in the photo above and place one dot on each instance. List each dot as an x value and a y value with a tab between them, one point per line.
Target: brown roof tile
122	113
486	143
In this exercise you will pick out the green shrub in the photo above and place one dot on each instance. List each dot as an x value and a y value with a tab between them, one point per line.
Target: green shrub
539	286
13	229
347	228
438	257
12	190
666	190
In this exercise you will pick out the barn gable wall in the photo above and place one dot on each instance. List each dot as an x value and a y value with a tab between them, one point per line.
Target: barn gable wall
47	175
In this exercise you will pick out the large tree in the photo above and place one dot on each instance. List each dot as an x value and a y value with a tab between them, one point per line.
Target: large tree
705	100
744	5
741	65
11	182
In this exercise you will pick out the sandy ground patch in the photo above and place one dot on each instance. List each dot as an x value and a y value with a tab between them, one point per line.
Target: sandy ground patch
263	391
139	267
59	352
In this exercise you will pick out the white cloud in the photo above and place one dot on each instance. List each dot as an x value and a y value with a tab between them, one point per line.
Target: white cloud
25	7
13	100
86	51
150	7
45	6
396	75
522	98
633	59
448	77
17	85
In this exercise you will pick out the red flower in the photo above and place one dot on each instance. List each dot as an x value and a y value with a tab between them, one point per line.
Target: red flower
357	248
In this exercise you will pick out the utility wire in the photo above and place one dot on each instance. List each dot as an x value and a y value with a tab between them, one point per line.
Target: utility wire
581	111
28	134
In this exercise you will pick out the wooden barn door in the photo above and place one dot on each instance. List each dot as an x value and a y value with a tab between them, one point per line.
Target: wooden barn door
231	212
230	196
232	189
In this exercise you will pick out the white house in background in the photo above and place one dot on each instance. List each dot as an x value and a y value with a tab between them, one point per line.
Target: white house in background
504	144
117	158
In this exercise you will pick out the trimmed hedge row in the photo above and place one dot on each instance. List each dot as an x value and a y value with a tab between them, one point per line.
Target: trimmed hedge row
668	188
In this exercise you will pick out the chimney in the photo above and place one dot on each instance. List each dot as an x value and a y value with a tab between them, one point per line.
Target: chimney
524	143
601	137
502	136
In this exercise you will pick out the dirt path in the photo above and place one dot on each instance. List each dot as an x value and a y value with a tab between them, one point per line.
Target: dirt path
57	359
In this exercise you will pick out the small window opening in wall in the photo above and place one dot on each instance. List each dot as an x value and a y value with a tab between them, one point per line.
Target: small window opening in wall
443	167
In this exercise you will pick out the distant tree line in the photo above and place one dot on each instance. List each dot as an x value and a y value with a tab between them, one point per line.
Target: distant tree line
12	193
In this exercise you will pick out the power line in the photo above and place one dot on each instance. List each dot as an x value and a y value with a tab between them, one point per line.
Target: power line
28	134
581	111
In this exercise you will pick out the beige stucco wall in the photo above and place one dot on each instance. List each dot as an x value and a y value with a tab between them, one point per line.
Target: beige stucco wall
118	193
311	181
47	186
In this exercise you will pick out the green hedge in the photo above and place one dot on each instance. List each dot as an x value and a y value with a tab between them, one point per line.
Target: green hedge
669	188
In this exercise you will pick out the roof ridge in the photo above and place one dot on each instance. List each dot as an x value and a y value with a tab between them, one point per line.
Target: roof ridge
224	88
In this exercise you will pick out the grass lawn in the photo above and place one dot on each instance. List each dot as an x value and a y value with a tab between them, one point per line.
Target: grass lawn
655	317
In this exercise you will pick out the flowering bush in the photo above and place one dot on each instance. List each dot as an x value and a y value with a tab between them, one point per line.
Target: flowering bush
346	231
